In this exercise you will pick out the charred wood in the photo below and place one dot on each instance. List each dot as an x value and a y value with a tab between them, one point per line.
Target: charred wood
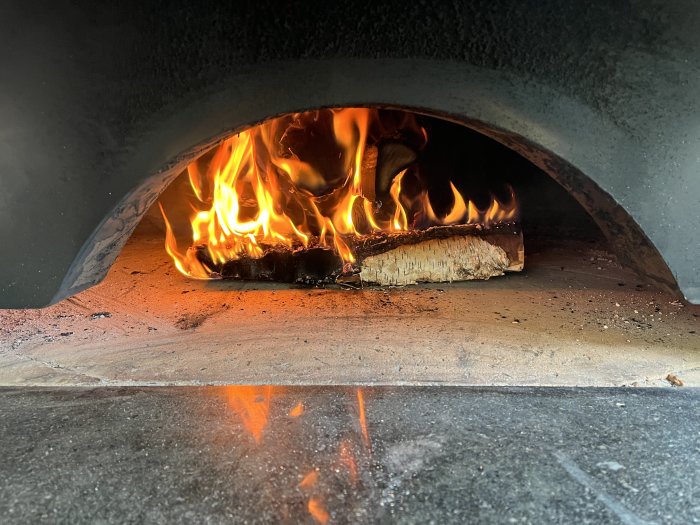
437	254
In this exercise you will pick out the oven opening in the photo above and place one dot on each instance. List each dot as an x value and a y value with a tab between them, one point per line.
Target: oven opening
361	197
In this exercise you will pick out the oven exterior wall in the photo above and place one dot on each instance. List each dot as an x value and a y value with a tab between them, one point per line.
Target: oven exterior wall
102	105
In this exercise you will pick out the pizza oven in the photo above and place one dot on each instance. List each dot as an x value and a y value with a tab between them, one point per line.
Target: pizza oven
313	225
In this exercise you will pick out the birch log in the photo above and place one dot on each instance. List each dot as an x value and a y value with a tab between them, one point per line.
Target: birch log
438	260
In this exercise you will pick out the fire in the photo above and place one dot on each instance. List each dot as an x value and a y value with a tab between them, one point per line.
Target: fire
267	187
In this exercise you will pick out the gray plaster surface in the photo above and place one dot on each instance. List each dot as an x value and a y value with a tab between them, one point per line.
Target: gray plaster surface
348	455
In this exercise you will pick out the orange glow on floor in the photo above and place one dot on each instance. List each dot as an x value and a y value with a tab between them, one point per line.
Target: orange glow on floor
297	410
363	417
252	404
309	480
318	510
347	458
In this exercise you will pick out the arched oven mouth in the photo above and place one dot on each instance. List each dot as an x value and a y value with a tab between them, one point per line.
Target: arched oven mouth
442	175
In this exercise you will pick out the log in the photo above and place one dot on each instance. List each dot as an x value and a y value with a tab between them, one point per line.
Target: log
437	254
435	261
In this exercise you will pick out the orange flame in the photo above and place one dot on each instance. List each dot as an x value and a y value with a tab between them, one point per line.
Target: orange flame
256	192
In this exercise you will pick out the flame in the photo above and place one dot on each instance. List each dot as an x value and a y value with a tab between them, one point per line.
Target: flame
400	222
252	404
255	192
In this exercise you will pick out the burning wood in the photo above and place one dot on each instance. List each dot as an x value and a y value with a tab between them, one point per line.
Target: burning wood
437	254
456	258
350	205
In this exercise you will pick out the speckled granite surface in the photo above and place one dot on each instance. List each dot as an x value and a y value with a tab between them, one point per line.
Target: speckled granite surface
349	455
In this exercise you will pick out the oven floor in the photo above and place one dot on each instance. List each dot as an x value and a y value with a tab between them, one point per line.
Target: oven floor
429	455
574	317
